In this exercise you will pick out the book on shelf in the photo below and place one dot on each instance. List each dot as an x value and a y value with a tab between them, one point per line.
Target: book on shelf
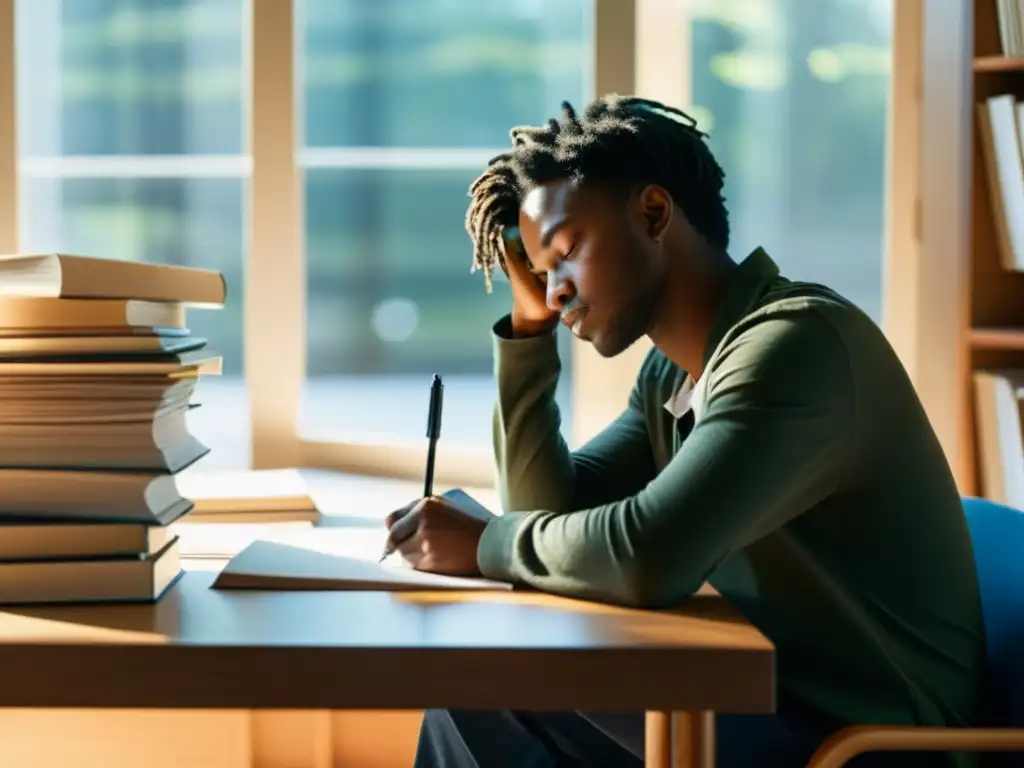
1001	129
98	370
999	397
1010	20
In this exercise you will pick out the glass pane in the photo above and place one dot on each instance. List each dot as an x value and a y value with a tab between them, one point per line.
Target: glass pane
130	77
437	73
794	95
390	296
142	77
171	221
391	301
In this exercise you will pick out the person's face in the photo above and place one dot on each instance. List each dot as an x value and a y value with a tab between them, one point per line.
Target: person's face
599	251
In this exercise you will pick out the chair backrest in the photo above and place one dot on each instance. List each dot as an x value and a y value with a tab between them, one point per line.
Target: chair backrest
997	533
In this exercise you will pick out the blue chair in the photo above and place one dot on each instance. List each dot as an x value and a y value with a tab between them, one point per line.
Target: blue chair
997	533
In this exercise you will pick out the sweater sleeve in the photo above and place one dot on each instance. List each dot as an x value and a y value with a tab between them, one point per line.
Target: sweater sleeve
535	468
774	438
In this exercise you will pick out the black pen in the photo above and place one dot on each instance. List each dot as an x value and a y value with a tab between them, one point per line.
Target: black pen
433	433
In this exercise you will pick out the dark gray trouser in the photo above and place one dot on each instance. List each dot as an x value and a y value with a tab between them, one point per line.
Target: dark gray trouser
482	739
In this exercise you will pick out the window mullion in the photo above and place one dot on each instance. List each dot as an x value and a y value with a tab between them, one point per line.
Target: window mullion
641	47
8	132
275	291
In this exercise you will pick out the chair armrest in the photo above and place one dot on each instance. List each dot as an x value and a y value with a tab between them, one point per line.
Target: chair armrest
846	744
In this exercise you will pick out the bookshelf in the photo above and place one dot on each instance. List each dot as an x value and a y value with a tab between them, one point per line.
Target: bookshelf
992	311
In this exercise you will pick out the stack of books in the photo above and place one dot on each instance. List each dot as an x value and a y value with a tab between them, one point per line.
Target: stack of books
97	374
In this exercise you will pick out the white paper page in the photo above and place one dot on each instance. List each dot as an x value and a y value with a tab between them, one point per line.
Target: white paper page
332	563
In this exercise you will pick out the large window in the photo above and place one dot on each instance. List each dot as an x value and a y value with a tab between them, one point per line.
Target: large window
794	95
403	104
136	141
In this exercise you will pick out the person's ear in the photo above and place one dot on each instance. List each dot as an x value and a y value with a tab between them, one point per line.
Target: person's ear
656	206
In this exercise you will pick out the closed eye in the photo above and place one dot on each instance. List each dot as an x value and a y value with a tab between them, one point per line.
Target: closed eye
542	274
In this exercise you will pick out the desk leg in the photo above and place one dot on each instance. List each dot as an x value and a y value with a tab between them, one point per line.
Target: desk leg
658	740
693	739
679	740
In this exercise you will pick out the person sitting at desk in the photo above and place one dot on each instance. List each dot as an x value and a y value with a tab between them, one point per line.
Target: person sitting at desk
772	446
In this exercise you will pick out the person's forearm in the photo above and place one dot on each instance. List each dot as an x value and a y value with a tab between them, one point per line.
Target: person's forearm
534	465
536	470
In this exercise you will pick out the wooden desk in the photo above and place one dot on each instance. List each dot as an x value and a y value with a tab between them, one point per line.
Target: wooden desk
203	648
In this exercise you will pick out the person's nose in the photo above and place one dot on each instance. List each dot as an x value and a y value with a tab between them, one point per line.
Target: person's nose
560	291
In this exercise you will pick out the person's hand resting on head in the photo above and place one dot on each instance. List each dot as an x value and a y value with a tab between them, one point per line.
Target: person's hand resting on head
435	535
531	315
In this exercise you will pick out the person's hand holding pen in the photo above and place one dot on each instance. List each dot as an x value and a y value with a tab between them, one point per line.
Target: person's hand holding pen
435	535
432	533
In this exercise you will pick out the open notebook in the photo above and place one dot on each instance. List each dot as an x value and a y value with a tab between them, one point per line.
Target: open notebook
339	559
276	566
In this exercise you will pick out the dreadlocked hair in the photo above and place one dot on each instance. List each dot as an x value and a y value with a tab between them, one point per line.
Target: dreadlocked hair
617	139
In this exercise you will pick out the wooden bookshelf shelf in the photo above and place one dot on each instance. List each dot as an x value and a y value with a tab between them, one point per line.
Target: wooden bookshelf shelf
999	64
997	338
993	309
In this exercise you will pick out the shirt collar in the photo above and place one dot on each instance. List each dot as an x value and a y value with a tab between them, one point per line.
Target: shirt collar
680	402
744	290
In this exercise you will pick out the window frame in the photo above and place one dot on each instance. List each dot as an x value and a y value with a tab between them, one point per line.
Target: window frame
926	264
629	40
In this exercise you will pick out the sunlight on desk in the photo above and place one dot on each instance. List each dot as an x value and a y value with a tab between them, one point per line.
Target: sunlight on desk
19	628
706	596
700	621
